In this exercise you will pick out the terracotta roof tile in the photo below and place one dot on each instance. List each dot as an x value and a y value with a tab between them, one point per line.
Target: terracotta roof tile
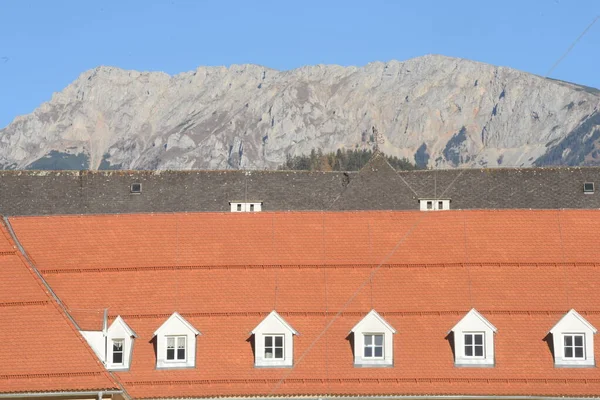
225	272
41	350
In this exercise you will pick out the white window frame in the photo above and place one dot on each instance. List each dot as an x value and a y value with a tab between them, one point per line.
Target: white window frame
122	351
473	344
372	346
274	347
176	339
573	346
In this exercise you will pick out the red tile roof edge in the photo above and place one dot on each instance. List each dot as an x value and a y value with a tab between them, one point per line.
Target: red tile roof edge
8	233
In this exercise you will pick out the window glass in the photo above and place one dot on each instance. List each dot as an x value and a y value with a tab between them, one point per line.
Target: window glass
274	346
170	348
474	345
574	346
373	346
176	348
117	351
181	348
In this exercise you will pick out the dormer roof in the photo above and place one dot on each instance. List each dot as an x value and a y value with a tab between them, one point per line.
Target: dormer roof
569	318
177	317
474	316
373	315
126	328
274	316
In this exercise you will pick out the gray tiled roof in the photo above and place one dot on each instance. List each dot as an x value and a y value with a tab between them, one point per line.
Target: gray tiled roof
377	186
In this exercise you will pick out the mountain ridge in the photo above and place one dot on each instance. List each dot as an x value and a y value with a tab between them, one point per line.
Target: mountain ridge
448	111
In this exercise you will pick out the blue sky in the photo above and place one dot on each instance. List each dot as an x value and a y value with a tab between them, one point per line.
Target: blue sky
46	44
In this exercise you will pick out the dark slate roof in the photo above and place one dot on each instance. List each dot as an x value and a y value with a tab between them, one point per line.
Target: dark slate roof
376	187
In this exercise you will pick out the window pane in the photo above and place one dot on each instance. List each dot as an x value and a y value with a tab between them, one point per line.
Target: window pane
279	352
279	341
170	354
378	340
468	339
569	352
170	343
118	358
478	351
269	341
579	352
368	352
181	354
181	343
578	340
268	353
478	339
368	339
378	351
568	340
117	345
468	351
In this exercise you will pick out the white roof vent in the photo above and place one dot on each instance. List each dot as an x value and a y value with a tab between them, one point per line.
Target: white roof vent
588	188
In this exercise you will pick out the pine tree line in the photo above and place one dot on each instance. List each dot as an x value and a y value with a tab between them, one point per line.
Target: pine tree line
341	160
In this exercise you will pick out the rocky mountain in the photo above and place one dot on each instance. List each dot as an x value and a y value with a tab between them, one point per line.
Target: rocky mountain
435	110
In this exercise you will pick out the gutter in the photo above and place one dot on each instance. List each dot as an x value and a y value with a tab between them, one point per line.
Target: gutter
98	394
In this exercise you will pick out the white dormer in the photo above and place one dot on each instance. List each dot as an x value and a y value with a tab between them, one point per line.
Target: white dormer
274	342
119	345
373	342
474	341
573	341
176	343
434	204
237	206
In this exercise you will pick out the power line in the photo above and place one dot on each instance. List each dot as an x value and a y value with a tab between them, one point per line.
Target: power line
566	53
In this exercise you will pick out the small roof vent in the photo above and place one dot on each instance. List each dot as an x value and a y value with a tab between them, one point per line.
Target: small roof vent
588	187
135	188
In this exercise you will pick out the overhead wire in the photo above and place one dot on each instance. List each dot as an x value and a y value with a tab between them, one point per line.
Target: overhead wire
566	53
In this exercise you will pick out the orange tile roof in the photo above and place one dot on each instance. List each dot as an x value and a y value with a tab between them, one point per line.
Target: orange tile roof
41	350
224	272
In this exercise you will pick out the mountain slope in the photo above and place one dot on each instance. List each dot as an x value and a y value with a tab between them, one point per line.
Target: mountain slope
439	111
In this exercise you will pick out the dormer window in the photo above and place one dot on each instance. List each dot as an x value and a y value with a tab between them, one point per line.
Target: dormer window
274	346
474	345
573	341
119	345
274	342
373	345
176	348
574	346
117	351
245	206
434	204
176	343
373	342
588	188
473	341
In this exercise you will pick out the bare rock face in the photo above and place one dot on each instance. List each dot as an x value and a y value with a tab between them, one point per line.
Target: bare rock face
435	110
